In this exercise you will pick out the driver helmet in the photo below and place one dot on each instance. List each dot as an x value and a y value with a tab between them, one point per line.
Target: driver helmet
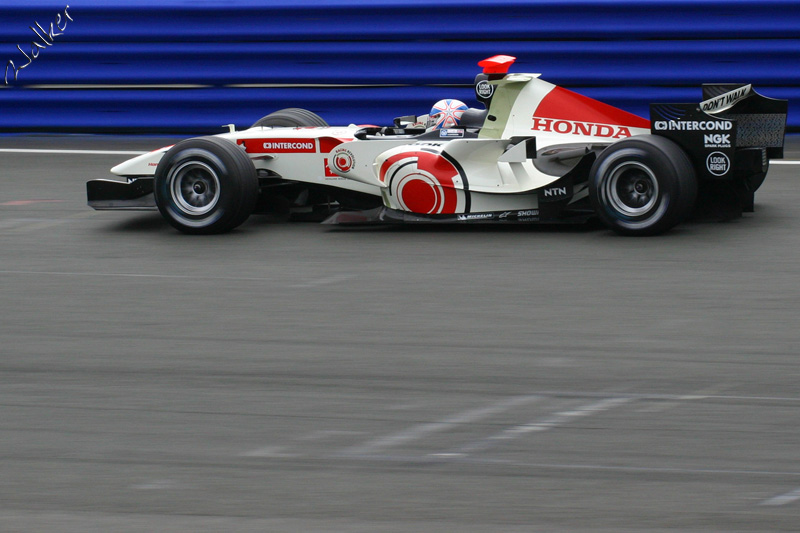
446	114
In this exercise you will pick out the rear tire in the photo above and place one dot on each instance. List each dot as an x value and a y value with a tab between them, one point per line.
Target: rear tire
205	185
643	185
291	117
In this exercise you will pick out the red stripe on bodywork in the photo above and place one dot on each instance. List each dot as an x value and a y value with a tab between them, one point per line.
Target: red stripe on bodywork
417	193
327	144
279	146
563	104
29	202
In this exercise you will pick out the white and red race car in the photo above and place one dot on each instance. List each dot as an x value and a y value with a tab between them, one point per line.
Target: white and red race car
538	153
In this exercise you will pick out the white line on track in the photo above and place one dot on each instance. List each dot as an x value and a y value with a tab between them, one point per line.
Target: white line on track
156	484
422	430
554	421
574	466
677	397
54	151
271	452
784	162
123	275
305	285
323	281
783	499
701	394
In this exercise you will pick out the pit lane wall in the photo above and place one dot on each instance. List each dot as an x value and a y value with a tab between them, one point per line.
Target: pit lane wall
186	66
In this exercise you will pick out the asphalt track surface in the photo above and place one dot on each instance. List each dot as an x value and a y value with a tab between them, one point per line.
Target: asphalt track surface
299	377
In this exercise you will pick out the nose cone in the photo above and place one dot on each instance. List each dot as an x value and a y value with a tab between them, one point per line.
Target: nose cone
141	165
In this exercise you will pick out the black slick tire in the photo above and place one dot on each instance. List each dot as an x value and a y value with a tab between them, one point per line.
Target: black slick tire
205	185
643	185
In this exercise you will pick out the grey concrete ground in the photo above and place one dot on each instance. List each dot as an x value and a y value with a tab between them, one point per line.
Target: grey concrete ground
298	377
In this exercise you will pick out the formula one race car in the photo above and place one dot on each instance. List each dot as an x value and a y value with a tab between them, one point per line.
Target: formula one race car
537	153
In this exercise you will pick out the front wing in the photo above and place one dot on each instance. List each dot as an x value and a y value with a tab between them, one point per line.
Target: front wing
136	194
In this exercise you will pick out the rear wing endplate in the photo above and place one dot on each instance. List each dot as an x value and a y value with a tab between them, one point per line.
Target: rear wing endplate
731	117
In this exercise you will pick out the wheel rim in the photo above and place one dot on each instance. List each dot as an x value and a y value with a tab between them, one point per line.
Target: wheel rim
632	189
195	188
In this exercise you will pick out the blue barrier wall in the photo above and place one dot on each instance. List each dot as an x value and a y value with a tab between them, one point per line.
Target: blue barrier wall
191	66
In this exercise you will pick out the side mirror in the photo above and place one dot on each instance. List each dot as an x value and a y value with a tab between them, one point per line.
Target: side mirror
401	122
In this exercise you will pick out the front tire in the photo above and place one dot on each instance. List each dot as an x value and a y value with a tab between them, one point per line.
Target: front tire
643	185
205	185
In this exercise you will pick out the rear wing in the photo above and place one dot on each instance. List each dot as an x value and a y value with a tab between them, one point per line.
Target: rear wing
731	118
